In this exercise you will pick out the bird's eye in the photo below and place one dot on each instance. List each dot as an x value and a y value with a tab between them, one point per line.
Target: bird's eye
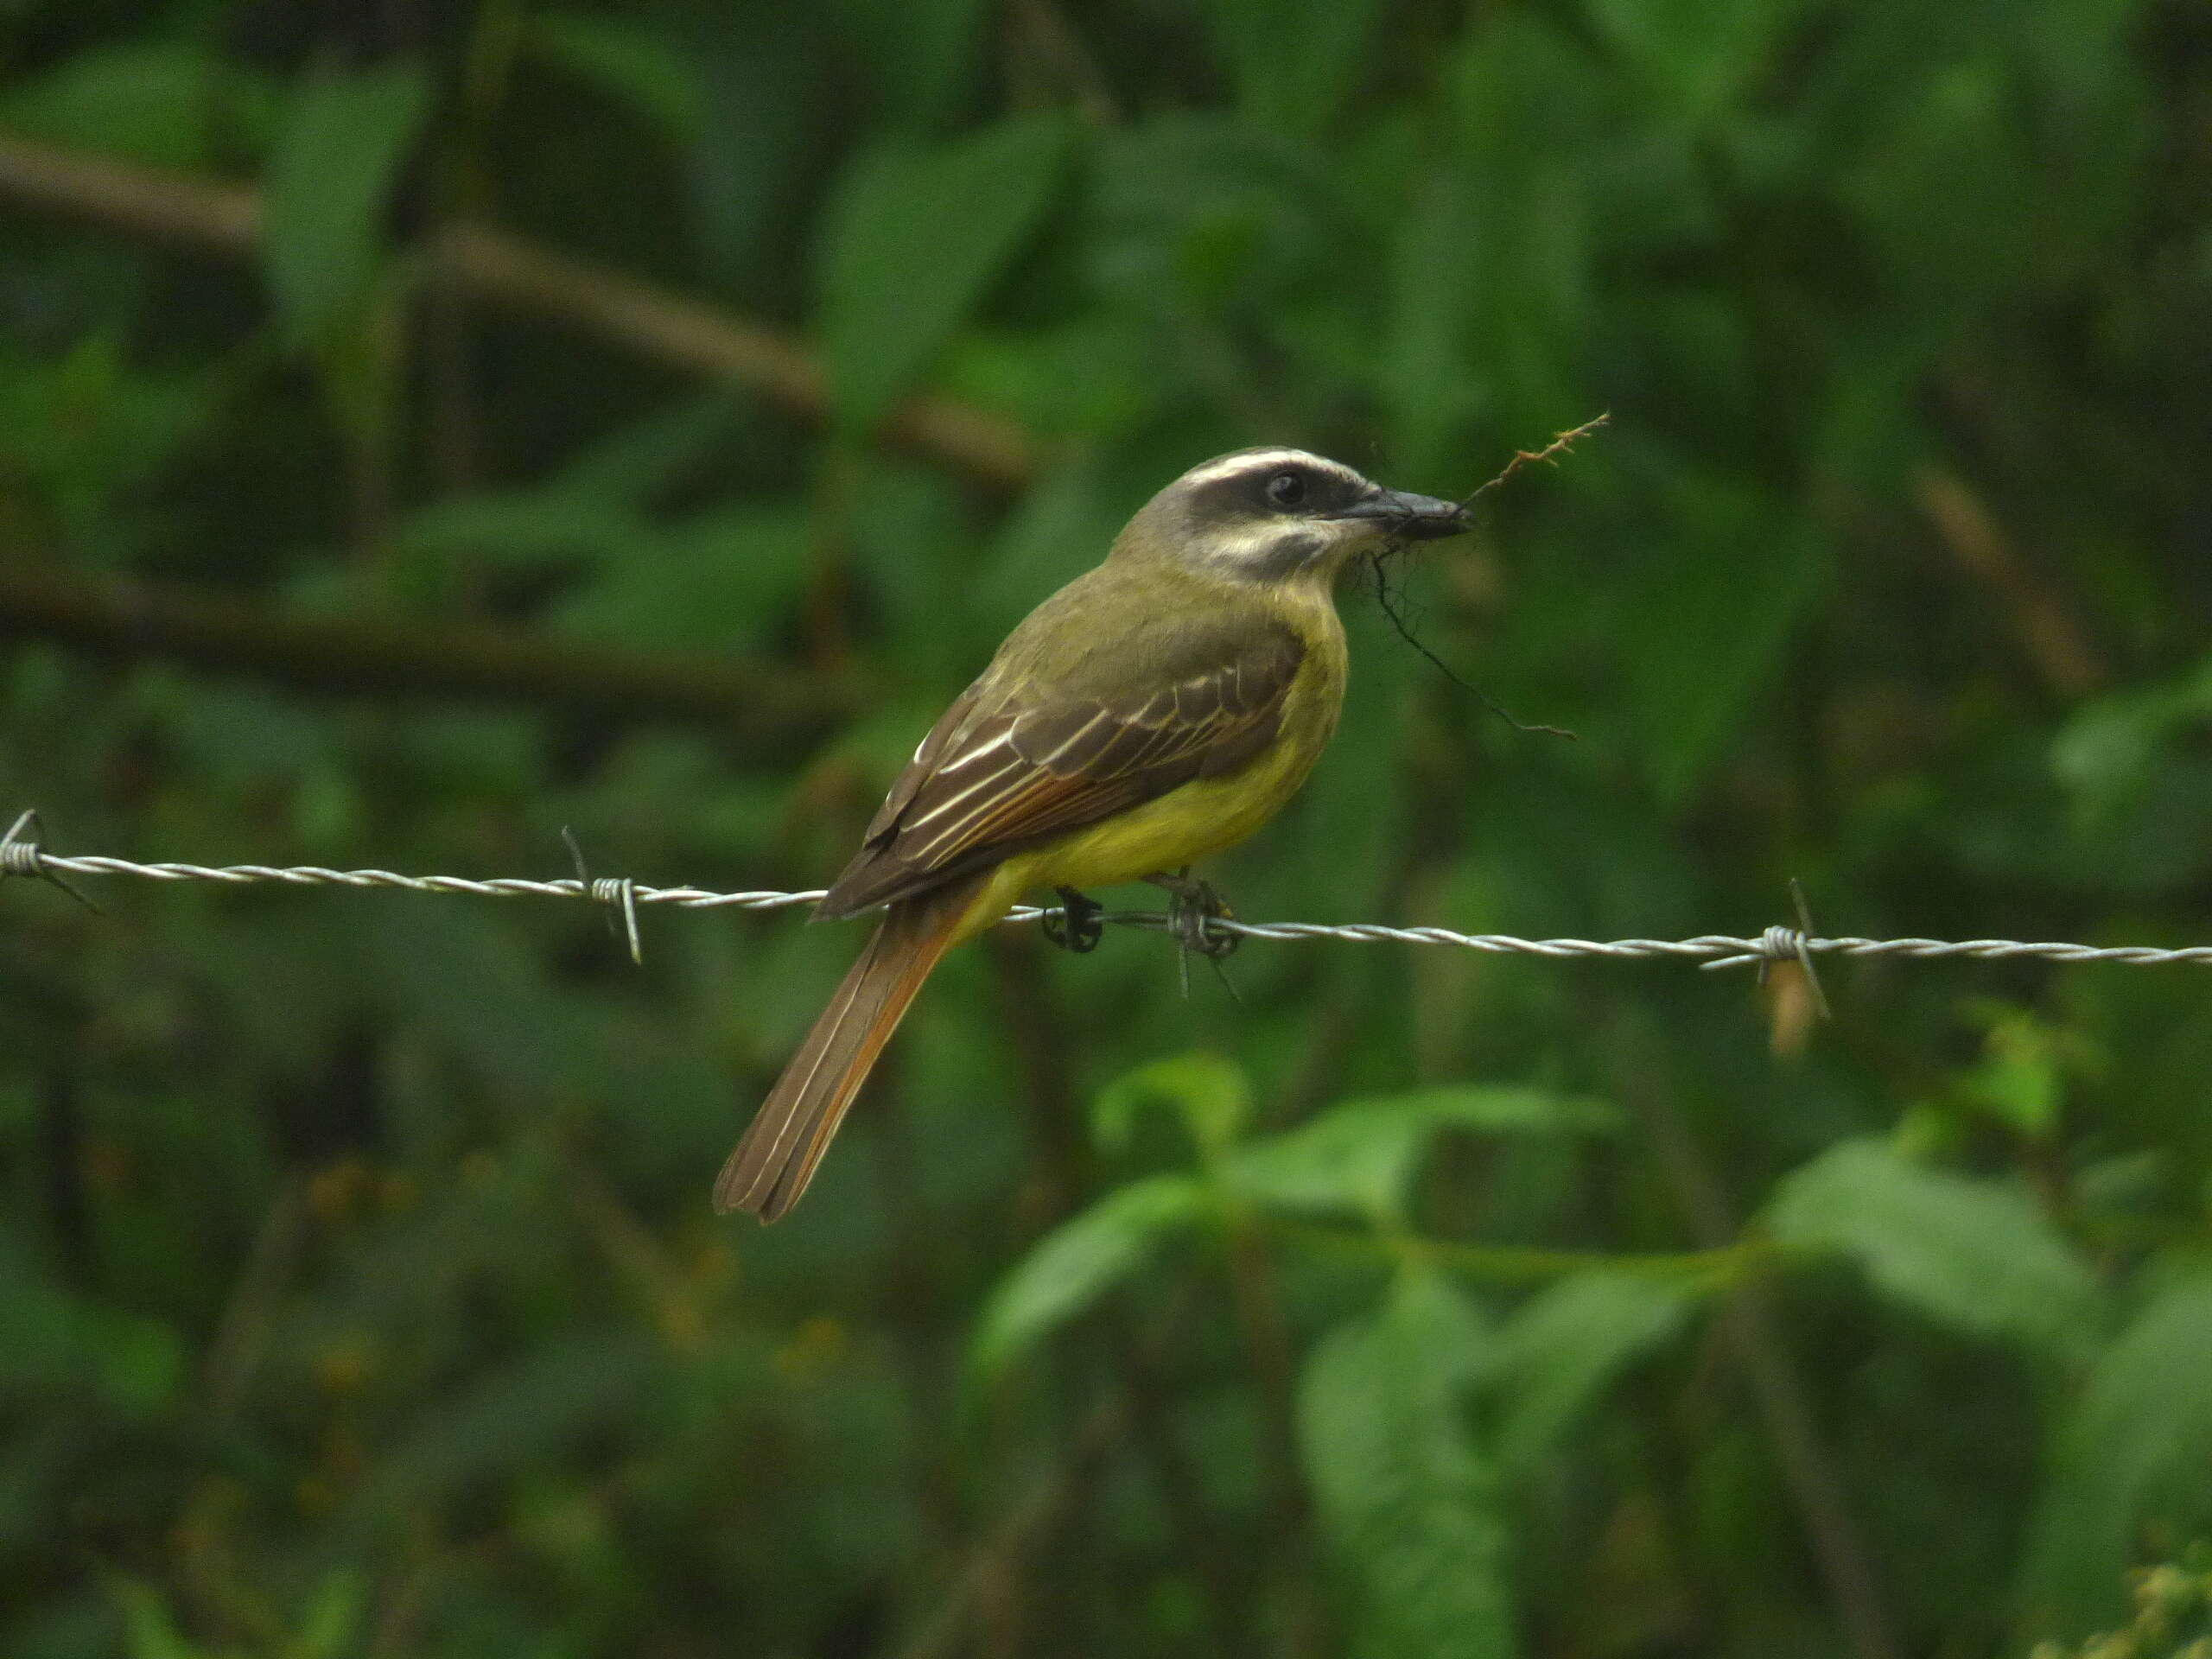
1287	489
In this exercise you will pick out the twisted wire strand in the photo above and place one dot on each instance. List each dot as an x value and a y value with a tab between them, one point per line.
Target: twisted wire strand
22	855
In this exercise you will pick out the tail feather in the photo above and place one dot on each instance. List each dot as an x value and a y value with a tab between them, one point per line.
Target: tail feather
775	1159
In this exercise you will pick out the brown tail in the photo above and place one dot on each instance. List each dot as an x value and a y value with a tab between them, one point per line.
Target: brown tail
775	1160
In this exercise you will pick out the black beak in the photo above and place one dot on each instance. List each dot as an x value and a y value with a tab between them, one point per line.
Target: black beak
1417	518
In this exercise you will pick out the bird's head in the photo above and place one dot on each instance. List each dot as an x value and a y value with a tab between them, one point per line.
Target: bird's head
1272	515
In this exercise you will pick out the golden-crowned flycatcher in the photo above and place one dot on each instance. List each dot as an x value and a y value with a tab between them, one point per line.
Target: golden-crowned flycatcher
1155	710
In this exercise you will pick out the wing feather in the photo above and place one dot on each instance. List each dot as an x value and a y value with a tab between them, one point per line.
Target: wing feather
1007	768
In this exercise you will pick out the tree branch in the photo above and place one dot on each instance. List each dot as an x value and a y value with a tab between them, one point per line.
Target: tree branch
2056	645
129	621
124	196
509	270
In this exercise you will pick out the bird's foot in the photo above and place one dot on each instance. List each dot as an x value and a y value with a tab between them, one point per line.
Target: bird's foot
1193	903
1076	925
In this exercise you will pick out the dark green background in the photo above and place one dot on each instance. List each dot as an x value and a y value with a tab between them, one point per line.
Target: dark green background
359	1288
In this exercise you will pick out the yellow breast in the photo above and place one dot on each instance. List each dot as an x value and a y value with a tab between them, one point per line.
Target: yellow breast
1208	815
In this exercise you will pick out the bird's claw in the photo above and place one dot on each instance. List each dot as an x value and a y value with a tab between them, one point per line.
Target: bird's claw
1075	926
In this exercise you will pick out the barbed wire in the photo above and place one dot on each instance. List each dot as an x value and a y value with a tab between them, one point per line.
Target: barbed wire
22	855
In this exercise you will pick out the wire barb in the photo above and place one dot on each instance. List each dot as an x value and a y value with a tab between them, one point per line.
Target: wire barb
20	854
1780	944
617	893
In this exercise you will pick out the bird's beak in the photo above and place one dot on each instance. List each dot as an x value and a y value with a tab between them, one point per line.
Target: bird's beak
1417	518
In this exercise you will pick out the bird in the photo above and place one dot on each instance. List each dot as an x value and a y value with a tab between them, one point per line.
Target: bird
1155	711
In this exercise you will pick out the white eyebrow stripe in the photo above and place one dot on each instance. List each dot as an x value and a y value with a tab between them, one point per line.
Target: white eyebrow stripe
1263	460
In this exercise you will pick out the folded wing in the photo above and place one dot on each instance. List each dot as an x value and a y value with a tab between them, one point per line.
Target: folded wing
1010	765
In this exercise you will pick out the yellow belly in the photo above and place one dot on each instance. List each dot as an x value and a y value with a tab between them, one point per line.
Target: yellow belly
1189	822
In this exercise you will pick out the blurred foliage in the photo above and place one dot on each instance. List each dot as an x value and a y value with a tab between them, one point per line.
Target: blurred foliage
2173	1617
361	1295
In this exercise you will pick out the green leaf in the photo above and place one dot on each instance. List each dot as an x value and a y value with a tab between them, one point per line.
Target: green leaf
912	243
1207	1092
332	1621
721	579
1695	56
2136	1444
148	1631
1079	1262
1295	61
2019	1078
1354	1158
62	1345
1970	208
1977	1255
1435	277
1410	1502
91	429
153	103
1558	1353
1205	212
1712	616
631	64
1360	1155
649	457
2111	747
329	181
922	57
